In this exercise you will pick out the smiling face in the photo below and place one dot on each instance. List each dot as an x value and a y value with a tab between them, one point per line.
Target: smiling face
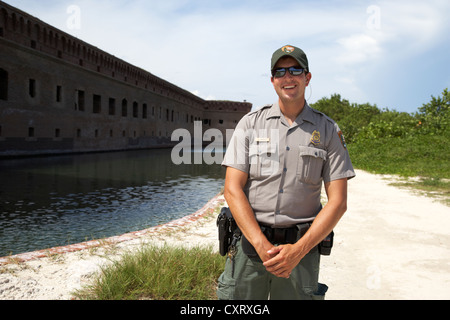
290	89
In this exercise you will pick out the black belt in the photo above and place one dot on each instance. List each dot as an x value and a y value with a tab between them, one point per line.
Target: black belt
276	236
285	235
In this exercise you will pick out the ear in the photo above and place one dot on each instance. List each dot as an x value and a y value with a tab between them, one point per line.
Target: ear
308	78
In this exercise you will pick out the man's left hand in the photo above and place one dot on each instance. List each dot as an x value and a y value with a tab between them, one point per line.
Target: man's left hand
286	258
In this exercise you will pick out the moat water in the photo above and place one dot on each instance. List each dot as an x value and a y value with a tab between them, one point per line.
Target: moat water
54	201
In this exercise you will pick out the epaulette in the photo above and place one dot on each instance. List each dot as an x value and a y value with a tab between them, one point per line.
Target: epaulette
260	109
323	115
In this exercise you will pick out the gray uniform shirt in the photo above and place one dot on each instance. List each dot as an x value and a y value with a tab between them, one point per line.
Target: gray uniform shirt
287	164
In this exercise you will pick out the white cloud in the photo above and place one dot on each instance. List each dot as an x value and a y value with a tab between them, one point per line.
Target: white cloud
357	49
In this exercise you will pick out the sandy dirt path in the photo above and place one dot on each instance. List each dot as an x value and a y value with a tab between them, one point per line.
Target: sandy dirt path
391	244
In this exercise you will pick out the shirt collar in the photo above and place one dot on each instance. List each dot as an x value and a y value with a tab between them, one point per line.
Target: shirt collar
306	114
274	111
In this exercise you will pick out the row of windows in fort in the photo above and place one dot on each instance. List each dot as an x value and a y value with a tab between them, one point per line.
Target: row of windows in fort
114	107
32	133
122	107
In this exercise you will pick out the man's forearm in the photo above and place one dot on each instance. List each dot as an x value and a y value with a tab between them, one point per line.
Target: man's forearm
322	226
286	257
244	216
328	217
243	213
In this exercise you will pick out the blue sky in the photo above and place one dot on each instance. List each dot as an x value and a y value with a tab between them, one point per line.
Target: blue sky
394	54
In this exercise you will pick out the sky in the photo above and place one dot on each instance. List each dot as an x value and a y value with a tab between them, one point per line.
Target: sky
392	54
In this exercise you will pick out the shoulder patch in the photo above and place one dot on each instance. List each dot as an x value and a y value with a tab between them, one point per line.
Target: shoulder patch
341	137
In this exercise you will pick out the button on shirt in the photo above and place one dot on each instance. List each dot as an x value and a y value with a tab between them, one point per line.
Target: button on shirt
287	164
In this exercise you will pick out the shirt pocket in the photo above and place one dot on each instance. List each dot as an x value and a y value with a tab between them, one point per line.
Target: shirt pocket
264	160
310	164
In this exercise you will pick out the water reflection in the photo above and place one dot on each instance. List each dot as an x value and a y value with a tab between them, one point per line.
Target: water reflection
46	202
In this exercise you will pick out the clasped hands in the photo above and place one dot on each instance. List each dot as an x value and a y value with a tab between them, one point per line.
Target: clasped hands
281	260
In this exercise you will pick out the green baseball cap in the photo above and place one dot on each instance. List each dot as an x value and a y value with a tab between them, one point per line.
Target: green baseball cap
293	52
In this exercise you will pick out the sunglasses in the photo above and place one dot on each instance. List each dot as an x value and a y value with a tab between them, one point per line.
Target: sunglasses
280	72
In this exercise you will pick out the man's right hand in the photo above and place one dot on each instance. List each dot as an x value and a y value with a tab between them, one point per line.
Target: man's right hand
263	248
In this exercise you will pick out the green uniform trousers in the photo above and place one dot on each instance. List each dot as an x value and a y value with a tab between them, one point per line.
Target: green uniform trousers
246	278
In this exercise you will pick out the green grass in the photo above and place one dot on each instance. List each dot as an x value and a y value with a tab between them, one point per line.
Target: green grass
423	157
159	273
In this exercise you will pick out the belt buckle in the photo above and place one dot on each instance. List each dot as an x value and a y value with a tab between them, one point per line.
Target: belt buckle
279	236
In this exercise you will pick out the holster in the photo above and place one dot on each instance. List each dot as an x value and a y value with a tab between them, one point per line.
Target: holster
227	229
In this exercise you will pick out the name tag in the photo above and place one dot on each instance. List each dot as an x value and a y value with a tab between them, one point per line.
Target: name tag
262	139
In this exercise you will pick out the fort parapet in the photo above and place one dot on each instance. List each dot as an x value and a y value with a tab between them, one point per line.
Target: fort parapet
59	94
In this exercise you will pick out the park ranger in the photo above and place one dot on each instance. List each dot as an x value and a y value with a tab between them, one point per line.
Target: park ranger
276	162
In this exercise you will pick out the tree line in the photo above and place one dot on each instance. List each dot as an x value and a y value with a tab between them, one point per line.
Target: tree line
392	142
361	122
